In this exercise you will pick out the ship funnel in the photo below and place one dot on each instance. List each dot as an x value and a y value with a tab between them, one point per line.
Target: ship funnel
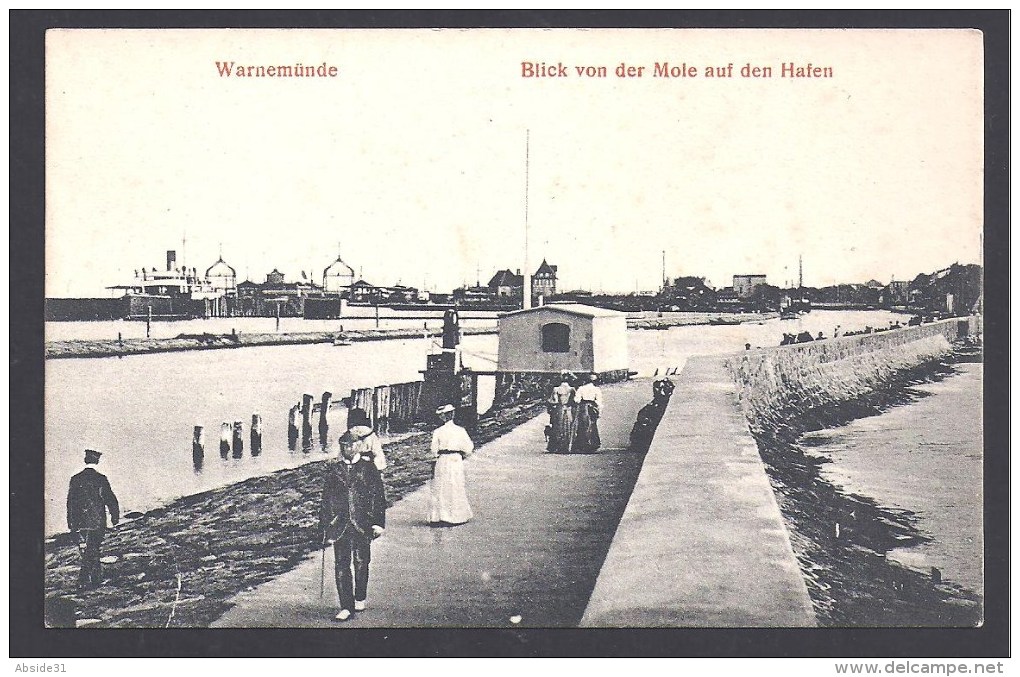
171	259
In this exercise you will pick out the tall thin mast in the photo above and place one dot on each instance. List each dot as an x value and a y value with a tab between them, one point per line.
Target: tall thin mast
526	279
664	283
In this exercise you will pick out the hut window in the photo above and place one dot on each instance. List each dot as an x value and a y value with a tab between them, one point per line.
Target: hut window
555	338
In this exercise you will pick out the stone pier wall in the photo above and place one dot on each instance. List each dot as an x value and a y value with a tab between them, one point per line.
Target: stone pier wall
702	542
771	381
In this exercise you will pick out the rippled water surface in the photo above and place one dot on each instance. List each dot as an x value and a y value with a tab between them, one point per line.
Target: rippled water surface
925	457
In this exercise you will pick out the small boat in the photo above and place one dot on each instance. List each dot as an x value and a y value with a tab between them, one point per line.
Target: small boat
341	341
723	320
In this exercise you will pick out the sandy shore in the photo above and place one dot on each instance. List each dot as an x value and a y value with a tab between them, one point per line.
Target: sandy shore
176	565
850	581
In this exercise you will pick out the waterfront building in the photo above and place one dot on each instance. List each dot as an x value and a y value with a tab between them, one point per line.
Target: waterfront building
248	294
563	336
955	290
275	295
222	277
688	293
364	292
400	294
727	298
896	293
288	296
507	285
744	285
543	282
477	295
338	277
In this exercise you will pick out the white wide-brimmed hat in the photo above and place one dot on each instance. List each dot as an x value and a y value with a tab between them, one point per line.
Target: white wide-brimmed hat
445	409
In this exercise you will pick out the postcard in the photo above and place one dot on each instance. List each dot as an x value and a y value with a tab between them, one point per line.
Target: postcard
514	329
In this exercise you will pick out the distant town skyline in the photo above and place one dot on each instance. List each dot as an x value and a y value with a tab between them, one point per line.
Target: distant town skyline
411	163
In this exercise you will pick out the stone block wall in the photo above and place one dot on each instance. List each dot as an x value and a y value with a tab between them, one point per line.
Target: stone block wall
808	375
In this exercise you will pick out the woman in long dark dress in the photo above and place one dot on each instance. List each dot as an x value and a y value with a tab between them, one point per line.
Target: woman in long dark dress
589	408
561	417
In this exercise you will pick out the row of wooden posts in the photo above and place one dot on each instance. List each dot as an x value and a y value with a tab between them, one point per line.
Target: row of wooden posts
391	408
231	440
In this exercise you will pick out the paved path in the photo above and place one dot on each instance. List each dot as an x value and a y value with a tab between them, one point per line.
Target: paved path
702	542
543	524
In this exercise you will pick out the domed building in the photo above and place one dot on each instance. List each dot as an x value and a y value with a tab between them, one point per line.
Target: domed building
337	277
222	277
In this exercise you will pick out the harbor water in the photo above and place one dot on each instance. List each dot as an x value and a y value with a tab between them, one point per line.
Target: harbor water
133	329
140	410
927	458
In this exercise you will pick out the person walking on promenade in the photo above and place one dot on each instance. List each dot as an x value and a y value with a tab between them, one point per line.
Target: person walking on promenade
561	416
450	445
363	439
589	408
89	496
352	514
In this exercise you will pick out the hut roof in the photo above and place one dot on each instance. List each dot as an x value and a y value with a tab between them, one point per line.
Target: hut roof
571	308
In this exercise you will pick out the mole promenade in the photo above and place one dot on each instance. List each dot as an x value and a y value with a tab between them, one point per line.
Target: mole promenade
685	530
689	535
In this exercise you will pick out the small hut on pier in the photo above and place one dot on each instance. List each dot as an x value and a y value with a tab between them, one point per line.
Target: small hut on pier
564	337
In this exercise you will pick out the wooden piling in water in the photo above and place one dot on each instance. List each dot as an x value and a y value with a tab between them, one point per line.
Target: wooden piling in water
327	398
306	420
292	427
256	434
198	447
225	435
148	321
238	440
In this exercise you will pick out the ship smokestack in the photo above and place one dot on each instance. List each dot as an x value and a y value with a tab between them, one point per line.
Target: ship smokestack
171	259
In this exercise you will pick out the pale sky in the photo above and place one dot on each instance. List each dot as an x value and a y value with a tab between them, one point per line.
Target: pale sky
412	160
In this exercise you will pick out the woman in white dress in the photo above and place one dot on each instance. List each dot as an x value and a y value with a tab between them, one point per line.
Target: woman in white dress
450	445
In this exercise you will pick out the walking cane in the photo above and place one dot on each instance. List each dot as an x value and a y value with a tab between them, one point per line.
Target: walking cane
322	569
81	538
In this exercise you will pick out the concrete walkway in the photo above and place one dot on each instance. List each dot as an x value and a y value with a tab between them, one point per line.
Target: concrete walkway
702	542
543	524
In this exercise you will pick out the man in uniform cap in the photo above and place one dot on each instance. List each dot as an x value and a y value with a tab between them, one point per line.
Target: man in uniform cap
88	499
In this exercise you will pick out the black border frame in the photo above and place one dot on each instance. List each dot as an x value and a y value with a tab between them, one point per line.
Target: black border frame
28	637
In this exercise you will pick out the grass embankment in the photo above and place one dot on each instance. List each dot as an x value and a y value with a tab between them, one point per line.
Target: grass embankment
177	566
849	578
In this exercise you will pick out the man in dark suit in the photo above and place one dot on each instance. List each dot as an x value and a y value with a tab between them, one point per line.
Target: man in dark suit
88	499
353	512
